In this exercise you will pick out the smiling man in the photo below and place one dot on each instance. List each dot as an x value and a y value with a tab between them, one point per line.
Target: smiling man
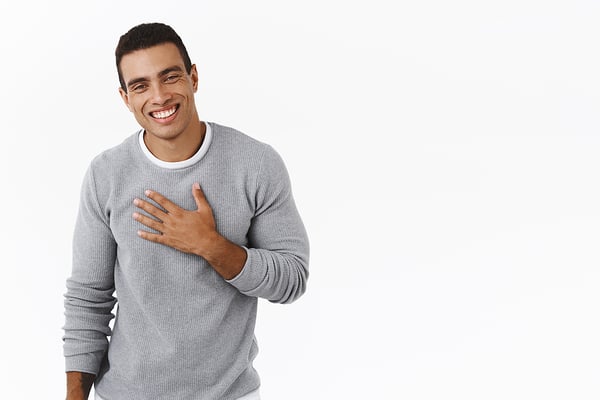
184	225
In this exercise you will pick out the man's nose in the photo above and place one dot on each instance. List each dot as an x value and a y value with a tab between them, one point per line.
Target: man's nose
160	94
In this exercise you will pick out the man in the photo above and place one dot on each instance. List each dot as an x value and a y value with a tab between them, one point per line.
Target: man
186	223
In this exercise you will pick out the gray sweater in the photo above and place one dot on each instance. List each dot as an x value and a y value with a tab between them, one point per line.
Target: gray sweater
181	330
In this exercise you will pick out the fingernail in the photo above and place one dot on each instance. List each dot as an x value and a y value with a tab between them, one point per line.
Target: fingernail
135	215
136	201
148	192
196	185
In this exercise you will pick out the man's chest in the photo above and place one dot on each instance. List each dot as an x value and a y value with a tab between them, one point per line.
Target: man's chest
231	202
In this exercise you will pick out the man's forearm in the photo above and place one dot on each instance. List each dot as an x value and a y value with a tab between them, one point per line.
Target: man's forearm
225	257
79	385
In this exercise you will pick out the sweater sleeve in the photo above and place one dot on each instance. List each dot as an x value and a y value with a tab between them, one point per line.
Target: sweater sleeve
278	250
89	298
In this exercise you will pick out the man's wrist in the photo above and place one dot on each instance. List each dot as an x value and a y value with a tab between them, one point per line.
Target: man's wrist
226	257
208	242
79	385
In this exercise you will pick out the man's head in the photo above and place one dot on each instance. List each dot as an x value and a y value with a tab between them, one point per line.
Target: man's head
158	82
145	36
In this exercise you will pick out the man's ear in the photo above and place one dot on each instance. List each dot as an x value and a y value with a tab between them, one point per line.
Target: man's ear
194	76
125	98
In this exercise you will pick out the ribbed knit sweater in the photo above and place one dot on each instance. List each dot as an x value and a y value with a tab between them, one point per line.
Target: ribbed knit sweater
181	330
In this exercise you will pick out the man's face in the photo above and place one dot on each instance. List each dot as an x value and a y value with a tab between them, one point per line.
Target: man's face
160	93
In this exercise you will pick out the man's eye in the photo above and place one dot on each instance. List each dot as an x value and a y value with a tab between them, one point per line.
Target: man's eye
139	88
172	78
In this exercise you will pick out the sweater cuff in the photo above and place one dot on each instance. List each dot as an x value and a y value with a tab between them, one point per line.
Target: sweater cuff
89	362
252	274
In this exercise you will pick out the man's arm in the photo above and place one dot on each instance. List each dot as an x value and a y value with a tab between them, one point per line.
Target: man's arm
278	247
89	299
79	385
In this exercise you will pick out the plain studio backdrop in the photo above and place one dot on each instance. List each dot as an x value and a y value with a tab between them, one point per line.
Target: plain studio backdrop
443	155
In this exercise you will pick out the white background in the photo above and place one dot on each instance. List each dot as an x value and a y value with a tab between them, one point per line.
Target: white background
444	156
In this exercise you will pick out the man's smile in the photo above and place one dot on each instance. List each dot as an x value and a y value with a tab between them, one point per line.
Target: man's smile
163	114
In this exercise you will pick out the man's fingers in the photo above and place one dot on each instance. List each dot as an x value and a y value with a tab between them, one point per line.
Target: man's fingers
153	237
162	200
150	209
199	195
149	222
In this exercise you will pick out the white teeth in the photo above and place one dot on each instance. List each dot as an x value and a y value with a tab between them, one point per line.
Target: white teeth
164	114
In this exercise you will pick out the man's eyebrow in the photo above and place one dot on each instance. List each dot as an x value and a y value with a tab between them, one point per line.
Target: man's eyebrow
164	72
175	68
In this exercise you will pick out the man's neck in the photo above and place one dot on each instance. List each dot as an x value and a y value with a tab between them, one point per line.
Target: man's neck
180	148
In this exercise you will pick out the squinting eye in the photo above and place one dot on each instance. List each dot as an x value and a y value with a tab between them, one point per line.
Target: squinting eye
171	78
138	88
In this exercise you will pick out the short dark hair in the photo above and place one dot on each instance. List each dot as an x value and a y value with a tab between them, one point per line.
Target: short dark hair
148	35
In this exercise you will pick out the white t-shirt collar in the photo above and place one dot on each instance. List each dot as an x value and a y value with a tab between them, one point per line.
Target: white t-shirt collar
178	164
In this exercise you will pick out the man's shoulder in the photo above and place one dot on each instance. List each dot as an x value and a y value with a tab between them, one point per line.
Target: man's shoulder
244	148
235	139
115	156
